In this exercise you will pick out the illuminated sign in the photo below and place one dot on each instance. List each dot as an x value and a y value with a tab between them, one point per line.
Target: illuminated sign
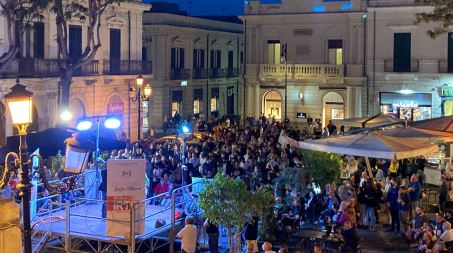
405	105
447	91
184	83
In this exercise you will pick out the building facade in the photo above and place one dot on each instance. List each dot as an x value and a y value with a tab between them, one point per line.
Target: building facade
197	62
409	73
99	87
316	49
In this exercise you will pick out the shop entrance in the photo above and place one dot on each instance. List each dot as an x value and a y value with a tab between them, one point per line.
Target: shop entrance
408	105
333	107
272	104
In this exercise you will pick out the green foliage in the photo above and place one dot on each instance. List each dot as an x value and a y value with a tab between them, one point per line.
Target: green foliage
441	14
291	177
227	201
322	167
57	163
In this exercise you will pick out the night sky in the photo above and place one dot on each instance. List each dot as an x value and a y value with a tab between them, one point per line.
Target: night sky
211	7
208	7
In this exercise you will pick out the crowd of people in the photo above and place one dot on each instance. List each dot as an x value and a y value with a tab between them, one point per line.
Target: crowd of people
251	152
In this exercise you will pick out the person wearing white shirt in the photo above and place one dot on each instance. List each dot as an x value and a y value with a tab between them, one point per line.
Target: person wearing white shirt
267	247
447	235
188	236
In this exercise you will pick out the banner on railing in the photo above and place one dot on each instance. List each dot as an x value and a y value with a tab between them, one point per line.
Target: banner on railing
125	187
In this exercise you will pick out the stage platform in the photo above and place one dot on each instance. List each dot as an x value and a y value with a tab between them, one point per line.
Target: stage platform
86	221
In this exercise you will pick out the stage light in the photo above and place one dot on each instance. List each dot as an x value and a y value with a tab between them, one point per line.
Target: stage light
185	129
84	125
112	123
66	115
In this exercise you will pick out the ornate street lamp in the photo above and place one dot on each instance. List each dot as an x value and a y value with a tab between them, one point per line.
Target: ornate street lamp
20	104
135	95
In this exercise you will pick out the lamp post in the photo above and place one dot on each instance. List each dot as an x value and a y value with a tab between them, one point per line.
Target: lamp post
85	124
183	130
20	104
136	96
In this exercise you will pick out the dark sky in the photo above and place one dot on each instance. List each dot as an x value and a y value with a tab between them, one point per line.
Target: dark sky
209	7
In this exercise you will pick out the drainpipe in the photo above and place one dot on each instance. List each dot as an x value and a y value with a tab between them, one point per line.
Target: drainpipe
374	56
237	79
243	72
208	99
129	37
365	63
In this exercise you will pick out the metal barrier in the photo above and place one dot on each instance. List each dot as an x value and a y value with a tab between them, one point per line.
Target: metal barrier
77	224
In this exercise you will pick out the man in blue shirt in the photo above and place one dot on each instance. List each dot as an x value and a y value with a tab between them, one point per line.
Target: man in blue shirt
392	202
414	192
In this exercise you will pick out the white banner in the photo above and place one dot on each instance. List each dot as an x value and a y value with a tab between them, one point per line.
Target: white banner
125	187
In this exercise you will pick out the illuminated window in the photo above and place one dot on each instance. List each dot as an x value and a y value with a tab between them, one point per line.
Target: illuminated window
213	104
175	106
339	56
196	106
273	52
335	52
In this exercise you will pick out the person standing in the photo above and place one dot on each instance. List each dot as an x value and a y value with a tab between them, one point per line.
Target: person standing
213	236
188	236
103	189
251	234
392	202
443	193
414	192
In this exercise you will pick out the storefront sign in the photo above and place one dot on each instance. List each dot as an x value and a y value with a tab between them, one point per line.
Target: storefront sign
405	105
125	188
447	91
115	105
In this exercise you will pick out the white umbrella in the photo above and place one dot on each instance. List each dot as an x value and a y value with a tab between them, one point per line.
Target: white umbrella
379	120
392	144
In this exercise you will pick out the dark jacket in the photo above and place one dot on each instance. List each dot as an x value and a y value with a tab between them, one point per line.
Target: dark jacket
251	230
103	185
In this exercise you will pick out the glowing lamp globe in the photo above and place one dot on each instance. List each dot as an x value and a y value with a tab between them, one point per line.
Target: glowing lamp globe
20	104
147	91
185	129
139	81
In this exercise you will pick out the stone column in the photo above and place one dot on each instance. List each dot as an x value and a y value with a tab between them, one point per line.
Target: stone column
350	102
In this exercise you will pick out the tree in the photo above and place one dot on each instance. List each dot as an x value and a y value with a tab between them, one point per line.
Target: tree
442	14
323	167
226	201
91	11
19	14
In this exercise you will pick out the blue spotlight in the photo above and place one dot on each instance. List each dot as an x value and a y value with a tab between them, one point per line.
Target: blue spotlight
185	129
84	125
112	123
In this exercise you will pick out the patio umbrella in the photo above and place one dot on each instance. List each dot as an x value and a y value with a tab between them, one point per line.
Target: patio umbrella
373	144
442	126
379	120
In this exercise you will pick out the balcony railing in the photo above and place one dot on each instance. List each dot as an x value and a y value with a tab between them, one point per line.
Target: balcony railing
121	67
217	73
445	66
299	71
200	74
231	73
180	74
390	66
33	67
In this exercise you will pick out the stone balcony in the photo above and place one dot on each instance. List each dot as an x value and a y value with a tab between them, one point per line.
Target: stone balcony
303	71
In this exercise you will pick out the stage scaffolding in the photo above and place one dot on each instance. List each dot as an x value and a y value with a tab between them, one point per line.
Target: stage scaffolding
77	224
